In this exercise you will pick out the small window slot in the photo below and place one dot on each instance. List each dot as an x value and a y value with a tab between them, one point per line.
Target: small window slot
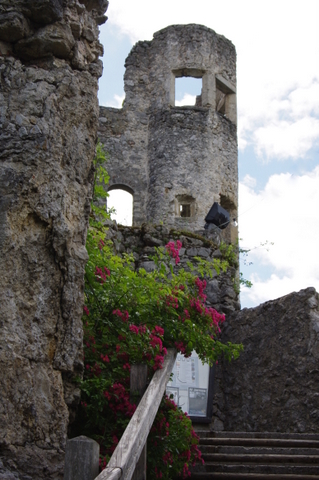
185	210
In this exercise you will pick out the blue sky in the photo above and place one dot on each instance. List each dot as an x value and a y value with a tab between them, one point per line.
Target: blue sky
277	45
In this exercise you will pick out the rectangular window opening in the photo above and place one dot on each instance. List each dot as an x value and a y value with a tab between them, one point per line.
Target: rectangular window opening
188	91
185	210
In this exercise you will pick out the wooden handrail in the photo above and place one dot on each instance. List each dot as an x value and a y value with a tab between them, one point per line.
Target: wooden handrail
127	453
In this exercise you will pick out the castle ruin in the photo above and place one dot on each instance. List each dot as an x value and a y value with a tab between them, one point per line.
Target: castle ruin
175	161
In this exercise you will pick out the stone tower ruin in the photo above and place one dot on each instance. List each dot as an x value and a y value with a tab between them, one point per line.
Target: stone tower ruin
175	161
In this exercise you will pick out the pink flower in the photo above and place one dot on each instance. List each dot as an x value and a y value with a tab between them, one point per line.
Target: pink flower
201	285
170	247
158	330
105	358
100	274
156	341
134	329
180	347
158	365
124	316
86	310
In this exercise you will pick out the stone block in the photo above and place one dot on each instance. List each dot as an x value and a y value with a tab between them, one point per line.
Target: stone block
55	39
45	11
13	27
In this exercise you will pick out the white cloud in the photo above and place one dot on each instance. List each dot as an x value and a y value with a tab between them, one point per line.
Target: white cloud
275	287
117	101
305	100
284	212
186	100
286	139
249	181
284	124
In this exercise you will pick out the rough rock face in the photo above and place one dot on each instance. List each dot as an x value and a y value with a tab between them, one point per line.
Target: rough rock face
273	386
176	161
49	70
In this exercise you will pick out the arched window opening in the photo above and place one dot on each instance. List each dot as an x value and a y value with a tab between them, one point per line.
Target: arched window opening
120	204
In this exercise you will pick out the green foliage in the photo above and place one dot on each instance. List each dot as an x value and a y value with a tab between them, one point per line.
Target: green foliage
244	281
173	440
229	253
101	179
131	316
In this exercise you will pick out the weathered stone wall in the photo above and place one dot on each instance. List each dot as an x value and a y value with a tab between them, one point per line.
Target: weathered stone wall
141	243
48	114
168	156
273	386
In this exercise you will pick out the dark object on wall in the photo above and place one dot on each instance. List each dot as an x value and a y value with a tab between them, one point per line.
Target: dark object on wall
218	216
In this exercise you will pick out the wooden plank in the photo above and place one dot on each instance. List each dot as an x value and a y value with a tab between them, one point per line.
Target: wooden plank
138	384
111	473
129	448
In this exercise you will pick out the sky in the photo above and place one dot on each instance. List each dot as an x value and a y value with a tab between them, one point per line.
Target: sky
277	44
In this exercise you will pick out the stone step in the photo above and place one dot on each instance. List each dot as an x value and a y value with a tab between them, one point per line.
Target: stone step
271	435
251	476
264	468
262	442
256	455
259	458
239	449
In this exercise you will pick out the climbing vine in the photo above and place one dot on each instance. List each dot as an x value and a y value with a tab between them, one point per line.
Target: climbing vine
131	316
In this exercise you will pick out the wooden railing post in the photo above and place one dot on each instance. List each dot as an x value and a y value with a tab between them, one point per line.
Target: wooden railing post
138	383
125	457
81	459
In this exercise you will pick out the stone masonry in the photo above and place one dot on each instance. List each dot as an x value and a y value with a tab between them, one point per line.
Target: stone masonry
176	161
273	386
142	241
49	67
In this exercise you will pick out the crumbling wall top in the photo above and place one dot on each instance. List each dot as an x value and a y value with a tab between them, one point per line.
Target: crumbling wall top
177	51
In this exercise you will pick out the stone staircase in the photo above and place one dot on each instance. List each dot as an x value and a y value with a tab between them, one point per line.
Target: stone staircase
258	456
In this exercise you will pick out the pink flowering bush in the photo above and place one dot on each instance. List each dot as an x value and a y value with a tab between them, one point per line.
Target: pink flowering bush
173	441
131	316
